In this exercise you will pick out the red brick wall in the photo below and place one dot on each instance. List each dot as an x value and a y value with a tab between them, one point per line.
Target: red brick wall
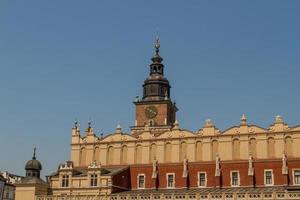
275	166
241	167
293	164
209	168
158	120
165	112
121	181
194	168
176	169
135	170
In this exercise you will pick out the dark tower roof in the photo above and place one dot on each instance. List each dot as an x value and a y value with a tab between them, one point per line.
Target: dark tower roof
33	167
33	164
156	86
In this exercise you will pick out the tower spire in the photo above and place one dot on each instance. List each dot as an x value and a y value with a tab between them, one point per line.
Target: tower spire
156	86
157	66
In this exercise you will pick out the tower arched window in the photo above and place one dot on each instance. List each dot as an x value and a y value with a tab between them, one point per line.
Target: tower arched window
155	69
151	122
152	89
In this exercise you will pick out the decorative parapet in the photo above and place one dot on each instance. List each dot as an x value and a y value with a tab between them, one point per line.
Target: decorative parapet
243	120
279	125
208	123
118	129
94	165
209	129
68	165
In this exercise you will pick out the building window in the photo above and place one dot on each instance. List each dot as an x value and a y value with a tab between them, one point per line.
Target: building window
7	195
297	177
235	178
170	180
201	179
151	123
269	177
94	178
141	181
65	181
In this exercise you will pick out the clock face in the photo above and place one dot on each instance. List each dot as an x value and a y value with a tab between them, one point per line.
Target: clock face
151	112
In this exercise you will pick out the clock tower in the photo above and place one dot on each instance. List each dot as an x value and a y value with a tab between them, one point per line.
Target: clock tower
156	109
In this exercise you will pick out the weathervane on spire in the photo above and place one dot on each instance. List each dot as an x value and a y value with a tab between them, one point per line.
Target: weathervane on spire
34	150
76	123
89	123
157	45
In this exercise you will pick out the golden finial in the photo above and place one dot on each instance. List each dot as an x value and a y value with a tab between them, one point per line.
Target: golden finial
157	44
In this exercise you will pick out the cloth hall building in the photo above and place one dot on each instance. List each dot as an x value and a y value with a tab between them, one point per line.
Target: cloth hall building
160	160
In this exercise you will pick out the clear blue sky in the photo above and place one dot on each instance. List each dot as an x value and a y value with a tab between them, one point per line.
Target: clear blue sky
61	60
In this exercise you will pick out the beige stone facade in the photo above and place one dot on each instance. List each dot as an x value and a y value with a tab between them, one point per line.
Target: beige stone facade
81	185
29	191
93	153
236	143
